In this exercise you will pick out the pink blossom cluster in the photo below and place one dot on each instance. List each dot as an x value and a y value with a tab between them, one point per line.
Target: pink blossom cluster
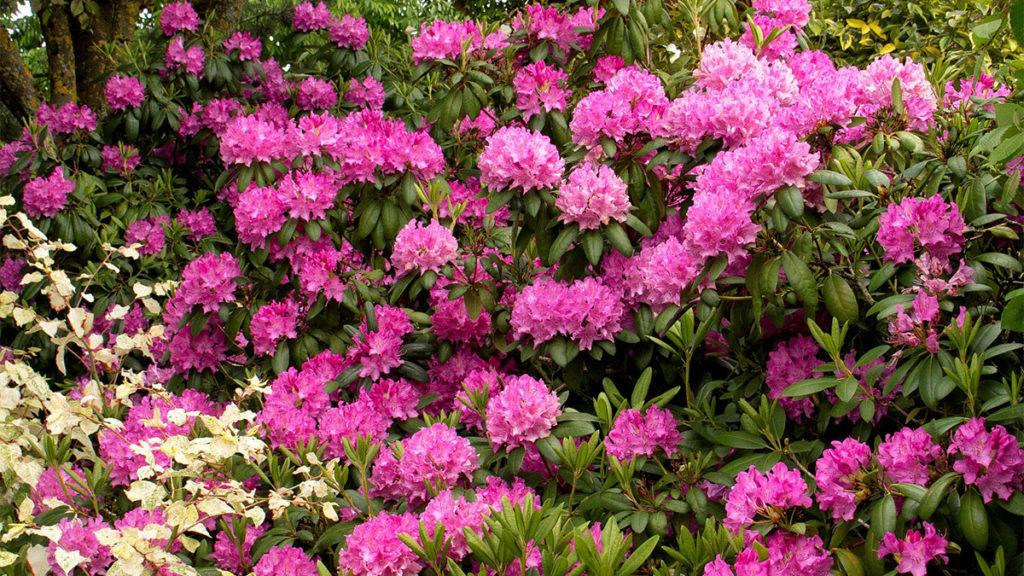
992	460
316	94
592	197
962	94
422	465
787	553
59	486
367	92
178	17
873	96
122	159
147	424
524	411
916	226
451	320
285	560
840	477
149	232
248	46
585	311
632	102
378	351
540	86
191	60
124	92
423	248
635	433
791	361
915	550
79	535
272	323
442	40
758	495
68	118
374	549
45	197
906	455
520	158
236	556
564	30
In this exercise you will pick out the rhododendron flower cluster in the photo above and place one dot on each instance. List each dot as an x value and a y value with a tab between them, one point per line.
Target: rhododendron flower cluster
586	311
992	459
906	455
124	92
520	158
432	459
45	197
523	412
764	495
592	197
839	475
638	434
373	548
915	550
918	226
540	86
423	248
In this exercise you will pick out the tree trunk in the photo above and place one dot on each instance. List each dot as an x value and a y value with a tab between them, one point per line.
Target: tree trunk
17	90
114	25
54	20
221	15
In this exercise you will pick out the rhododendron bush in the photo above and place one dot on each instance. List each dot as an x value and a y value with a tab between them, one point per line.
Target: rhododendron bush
523	297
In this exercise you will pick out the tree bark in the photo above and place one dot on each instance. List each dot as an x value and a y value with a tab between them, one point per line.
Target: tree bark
221	15
114	25
17	89
54	20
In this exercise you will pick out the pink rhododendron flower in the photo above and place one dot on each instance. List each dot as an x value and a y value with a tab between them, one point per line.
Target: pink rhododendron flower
607	66
367	92
248	139
766	495
351	421
259	212
226	551
191	59
79	535
310	18
632	101
58	486
177	17
285	560
480	127
348	32
929	225
45	197
915	550
149	232
519	158
961	94
540	86
432	459
585	311
395	399
66	119
637	434
422	248
454	514
123	159
374	549
522	413
444	40
197	223
11	273
839	474
124	92
378	351
905	455
791	361
991	460
593	196
316	94
209	281
249	47
272	323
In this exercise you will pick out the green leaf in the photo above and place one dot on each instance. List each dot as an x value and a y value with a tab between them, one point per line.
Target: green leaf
974	520
739	439
1006	149
849	561
936	493
622	6
883	516
840	299
830	178
640	389
593	245
618	238
562	242
791	201
638	557
1017	21
810	386
1001	260
846	388
801	279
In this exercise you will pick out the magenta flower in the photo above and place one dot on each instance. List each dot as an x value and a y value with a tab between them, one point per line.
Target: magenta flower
929	225
915	550
124	92
310	18
992	460
285	560
374	549
519	158
348	32
423	248
191	59
540	86
45	197
79	535
839	474
522	413
905	455
316	94
249	47
272	323
177	17
636	434
765	495
426	463
791	361
226	553
593	197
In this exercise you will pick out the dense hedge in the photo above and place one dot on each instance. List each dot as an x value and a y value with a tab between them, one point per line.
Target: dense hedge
561	294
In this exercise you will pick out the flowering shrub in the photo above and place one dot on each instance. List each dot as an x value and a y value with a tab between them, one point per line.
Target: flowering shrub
518	301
